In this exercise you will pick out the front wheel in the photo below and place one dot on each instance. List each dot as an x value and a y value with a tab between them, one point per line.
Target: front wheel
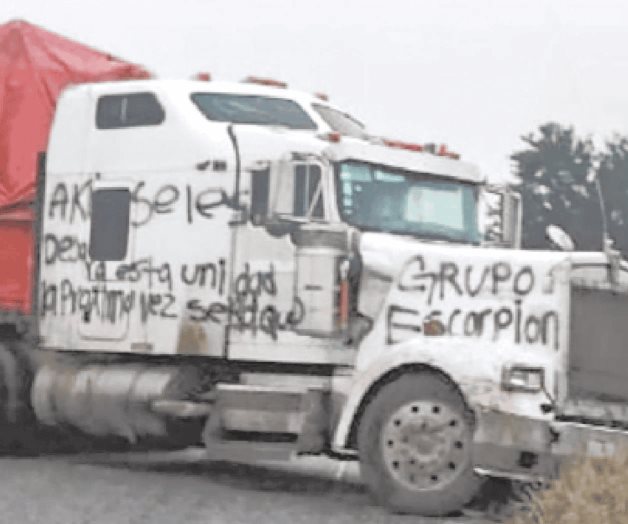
414	443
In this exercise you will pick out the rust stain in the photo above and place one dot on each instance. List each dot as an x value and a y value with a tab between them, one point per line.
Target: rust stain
192	340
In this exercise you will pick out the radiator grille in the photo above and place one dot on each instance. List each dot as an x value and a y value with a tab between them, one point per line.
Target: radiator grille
598	361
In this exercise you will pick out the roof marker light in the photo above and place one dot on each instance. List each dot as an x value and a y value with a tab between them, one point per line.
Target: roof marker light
322	96
265	81
443	151
333	137
204	76
402	145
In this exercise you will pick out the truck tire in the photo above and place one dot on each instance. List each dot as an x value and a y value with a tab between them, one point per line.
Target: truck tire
414	444
16	417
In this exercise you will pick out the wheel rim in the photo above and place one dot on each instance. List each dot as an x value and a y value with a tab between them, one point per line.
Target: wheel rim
424	444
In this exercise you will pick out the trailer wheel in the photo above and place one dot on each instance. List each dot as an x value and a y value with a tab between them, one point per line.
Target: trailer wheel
15	415
414	444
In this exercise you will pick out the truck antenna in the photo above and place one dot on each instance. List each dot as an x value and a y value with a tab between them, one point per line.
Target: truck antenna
598	189
614	256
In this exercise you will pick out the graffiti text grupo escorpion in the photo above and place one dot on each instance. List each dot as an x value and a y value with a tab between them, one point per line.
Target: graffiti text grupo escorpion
495	301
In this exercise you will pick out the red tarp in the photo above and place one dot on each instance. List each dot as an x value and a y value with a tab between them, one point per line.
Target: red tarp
35	66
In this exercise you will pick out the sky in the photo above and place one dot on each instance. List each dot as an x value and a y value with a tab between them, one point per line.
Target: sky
476	75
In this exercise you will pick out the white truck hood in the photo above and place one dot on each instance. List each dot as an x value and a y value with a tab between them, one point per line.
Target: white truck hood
489	295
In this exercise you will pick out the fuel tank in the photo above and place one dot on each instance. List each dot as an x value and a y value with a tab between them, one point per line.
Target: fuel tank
104	399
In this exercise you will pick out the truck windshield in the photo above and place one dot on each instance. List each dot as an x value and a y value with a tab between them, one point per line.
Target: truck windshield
253	109
377	198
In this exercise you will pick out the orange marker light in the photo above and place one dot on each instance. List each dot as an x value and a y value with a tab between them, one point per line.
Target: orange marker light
343	295
334	137
403	145
443	151
265	81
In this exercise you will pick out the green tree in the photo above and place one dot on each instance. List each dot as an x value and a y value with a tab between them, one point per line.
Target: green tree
556	186
613	175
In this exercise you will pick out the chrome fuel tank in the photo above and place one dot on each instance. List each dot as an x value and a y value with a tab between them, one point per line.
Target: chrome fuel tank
103	399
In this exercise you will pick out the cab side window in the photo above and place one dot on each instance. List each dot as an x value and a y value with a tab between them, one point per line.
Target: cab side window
308	192
128	110
109	228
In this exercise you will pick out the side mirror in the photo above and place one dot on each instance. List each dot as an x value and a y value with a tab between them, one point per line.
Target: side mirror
261	211
500	216
559	237
511	219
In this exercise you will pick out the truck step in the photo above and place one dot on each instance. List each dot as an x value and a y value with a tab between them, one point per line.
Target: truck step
248	451
261	408
269	420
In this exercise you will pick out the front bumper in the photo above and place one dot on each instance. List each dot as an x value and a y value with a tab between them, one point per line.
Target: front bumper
513	446
525	448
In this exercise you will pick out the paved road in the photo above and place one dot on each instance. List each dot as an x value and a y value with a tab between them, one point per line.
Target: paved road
184	488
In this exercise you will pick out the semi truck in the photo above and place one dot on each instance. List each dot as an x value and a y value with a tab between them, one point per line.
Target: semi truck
218	265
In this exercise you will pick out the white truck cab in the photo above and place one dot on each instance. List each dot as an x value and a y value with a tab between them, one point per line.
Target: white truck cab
215	252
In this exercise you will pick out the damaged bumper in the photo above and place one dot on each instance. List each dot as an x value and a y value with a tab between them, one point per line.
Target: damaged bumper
507	445
513	446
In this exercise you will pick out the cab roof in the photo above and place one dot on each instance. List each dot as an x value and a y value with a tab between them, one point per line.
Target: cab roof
365	150
418	162
194	86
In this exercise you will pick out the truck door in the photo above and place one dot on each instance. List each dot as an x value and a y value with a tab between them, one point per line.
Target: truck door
105	309
268	314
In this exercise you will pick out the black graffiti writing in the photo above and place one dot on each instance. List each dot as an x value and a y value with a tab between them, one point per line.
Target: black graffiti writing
496	323
67	203
66	248
244	309
110	305
393	323
71	201
70	249
67	299
272	320
165	200
212	273
145	268
206	201
254	283
452	279
248	315
157	305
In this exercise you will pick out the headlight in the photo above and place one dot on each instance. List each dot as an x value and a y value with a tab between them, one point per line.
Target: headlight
523	378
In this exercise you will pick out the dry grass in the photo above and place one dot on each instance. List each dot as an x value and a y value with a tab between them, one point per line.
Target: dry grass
590	491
